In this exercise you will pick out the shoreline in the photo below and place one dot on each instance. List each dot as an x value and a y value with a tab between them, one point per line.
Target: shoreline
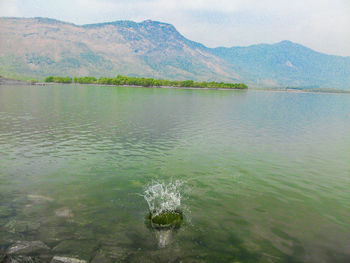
10	82
199	88
133	86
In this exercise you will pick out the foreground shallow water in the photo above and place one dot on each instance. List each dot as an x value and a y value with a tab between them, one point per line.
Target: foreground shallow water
266	175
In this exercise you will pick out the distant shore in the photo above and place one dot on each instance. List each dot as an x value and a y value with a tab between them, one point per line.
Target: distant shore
9	81
132	86
120	80
290	90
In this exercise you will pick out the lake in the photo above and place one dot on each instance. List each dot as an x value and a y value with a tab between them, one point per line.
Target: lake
263	176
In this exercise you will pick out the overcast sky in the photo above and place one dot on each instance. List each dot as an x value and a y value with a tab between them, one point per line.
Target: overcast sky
323	25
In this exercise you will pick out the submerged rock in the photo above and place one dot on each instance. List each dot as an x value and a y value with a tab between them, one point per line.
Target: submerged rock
15	226
39	198
58	259
28	248
165	225
7	238
116	247
26	259
5	211
78	248
164	237
101	257
168	219
52	234
18	259
64	212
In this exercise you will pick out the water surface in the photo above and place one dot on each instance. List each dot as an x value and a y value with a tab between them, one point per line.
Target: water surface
266	174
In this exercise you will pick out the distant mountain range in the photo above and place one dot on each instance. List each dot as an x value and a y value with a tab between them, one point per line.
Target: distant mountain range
38	47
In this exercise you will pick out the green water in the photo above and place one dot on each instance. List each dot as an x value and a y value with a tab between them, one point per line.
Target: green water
266	174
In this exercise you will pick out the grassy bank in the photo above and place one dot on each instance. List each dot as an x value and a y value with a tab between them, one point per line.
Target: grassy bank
145	82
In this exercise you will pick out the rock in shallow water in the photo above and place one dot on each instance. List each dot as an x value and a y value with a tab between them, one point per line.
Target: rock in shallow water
64	212
7	238
39	198
5	211
100	257
77	248
18	259
57	259
28	248
167	219
15	226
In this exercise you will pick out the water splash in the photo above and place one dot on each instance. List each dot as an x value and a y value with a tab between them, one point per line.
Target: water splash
162	197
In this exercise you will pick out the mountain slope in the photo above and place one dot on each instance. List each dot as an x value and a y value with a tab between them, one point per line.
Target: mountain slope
38	47
289	64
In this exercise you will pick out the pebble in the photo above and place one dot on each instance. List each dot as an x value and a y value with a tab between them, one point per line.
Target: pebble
57	259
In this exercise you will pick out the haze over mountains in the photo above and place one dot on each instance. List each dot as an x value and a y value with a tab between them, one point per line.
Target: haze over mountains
38	47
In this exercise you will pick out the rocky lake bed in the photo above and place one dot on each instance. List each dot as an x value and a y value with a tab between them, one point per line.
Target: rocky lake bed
33	230
263	176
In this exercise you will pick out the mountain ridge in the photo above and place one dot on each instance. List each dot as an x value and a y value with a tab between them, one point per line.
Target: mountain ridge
156	49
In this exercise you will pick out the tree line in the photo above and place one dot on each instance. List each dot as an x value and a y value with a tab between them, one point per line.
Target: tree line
145	82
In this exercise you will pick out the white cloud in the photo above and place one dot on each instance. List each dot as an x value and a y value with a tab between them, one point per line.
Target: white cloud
225	6
9	8
96	5
320	24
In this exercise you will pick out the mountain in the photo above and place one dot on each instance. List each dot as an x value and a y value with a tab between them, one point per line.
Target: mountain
40	47
288	64
37	47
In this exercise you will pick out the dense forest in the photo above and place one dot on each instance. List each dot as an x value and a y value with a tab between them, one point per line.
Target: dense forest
145	82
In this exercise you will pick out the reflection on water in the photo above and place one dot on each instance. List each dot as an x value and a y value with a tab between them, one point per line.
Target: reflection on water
267	172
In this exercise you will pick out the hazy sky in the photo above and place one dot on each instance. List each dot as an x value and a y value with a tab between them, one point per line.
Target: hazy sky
323	25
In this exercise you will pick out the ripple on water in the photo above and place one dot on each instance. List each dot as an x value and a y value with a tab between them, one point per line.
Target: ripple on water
267	173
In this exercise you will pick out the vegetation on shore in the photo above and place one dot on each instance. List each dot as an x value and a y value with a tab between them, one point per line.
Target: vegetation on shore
58	79
145	82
